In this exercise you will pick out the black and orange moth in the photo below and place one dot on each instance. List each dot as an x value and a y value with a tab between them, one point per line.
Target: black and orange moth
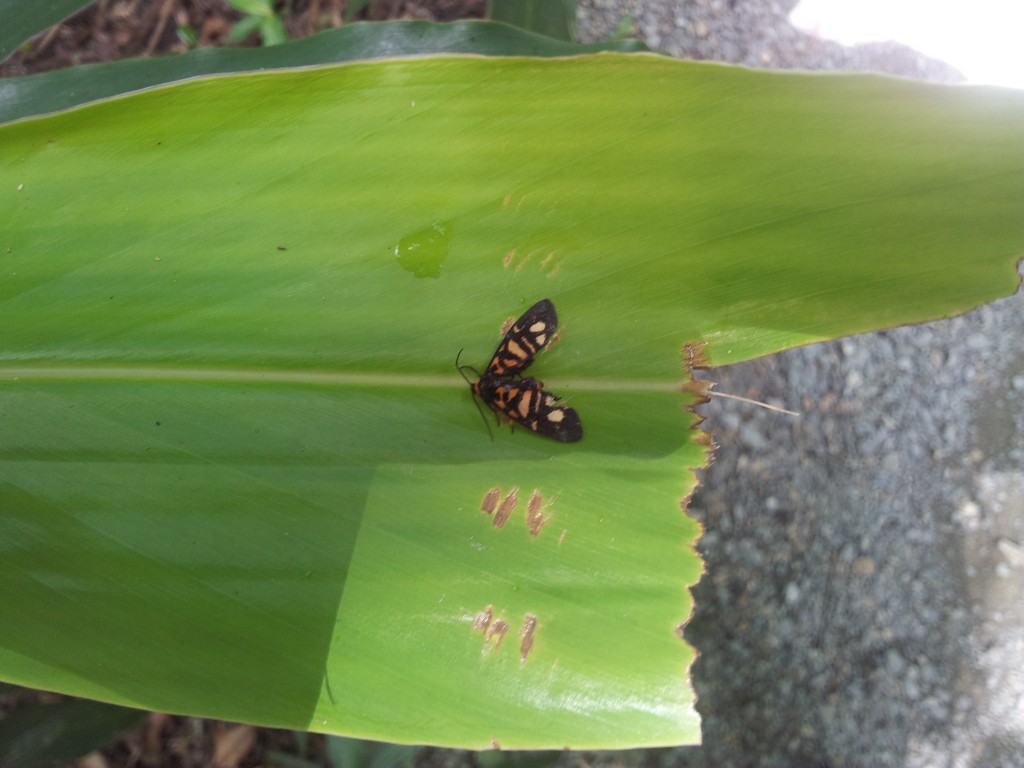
524	400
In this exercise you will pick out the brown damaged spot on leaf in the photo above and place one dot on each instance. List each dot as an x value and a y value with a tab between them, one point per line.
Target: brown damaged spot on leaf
482	622
535	518
508	504
508	257
490	502
485	623
695	356
492	629
699	388
494	635
495	629
555	338
494	743
704	438
502	508
526	636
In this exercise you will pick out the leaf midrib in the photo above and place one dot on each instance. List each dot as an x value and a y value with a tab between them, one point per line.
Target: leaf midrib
279	376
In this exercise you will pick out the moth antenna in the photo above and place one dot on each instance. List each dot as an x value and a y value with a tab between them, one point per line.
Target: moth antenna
462	368
462	372
484	417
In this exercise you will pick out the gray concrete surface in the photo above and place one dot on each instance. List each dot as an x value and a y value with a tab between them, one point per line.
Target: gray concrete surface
864	599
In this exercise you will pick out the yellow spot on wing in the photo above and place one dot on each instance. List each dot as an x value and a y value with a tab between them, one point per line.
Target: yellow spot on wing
515	349
524	403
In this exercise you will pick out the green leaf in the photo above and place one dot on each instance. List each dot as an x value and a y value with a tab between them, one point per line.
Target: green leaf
240	476
187	35
263	8
242	28
273	32
20	19
52	91
554	18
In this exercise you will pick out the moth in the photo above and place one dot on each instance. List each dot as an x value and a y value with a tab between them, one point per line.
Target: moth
524	400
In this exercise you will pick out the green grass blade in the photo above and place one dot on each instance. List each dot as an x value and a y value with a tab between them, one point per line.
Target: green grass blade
273	31
239	475
242	28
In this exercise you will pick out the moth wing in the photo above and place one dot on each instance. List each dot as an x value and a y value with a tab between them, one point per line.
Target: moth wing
521	343
557	421
526	402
